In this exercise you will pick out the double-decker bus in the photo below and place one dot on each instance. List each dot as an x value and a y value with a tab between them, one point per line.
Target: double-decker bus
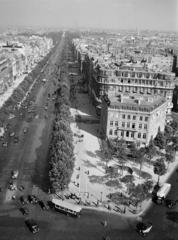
66	207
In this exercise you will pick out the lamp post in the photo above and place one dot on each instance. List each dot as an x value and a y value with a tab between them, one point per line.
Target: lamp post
101	197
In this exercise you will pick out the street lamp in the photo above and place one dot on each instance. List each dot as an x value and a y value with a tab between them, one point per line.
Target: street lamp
101	197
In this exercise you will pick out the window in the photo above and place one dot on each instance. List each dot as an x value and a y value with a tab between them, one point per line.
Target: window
144	135
133	125
111	123
123	116
123	124
116	123
141	118
140	125
128	117
127	134
145	126
139	135
115	132
132	134
134	117
122	133
128	124
110	132
146	119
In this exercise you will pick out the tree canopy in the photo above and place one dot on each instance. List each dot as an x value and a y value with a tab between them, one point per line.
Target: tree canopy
159	167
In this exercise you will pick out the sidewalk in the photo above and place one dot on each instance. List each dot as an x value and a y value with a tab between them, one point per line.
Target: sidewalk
88	181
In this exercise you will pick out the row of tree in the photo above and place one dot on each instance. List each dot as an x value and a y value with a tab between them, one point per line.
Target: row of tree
61	157
120	150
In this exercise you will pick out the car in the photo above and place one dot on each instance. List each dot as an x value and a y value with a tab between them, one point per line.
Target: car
13	197
16	139
1	138
21	188
32	199
43	205
14	174
24	210
32	225
143	228
12	134
5	144
25	130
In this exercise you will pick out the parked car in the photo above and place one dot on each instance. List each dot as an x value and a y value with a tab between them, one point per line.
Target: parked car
12	134
24	210
14	174
21	188
144	228
16	139
5	144
43	205
13	197
25	130
32	225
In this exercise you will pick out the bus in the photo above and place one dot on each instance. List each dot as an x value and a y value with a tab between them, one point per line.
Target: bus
163	192
66	207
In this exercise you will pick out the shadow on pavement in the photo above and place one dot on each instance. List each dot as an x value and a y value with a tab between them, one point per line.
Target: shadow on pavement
173	216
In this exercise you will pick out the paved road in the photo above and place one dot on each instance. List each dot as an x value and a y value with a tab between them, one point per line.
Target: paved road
30	157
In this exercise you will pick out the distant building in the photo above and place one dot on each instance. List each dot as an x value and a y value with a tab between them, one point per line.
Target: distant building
133	118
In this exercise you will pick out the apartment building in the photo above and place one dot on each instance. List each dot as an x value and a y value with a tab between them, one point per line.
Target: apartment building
133	80
6	74
134	118
109	77
19	55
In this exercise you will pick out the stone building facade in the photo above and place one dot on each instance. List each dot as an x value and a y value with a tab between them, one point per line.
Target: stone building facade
133	118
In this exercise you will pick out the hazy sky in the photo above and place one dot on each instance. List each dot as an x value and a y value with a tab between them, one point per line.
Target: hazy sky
141	14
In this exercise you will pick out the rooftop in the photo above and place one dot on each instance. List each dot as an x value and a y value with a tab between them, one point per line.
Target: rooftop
134	103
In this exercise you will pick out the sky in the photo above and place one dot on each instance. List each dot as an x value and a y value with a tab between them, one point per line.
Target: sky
100	14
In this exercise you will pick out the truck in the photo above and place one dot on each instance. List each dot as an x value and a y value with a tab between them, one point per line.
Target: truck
162	192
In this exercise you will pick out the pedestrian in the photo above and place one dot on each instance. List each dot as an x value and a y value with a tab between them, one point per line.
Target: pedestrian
124	210
105	223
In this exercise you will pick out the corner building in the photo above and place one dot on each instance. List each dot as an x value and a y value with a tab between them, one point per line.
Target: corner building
133	118
132	80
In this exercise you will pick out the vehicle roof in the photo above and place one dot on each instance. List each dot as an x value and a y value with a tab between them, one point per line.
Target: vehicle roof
66	205
164	189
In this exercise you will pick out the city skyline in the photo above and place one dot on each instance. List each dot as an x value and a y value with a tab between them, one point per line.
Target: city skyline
101	14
